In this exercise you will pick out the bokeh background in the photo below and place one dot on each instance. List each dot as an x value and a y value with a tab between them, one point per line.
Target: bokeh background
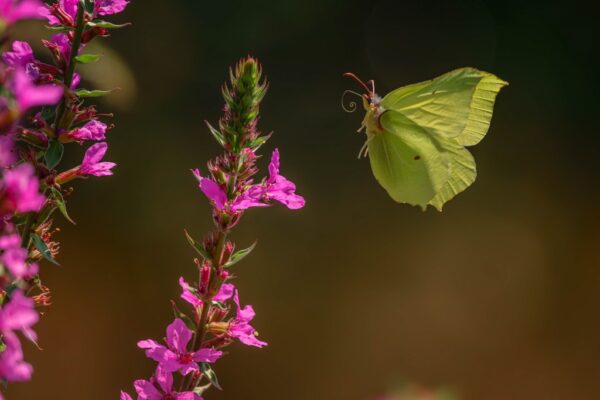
497	297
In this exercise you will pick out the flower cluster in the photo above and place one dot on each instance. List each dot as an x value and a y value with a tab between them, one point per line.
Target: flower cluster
42	110
196	340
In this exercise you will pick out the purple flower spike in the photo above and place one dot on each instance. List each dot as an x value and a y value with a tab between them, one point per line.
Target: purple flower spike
176	357
160	387
240	327
91	164
12	11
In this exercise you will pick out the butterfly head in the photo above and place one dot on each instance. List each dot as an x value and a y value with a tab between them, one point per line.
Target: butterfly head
371	103
370	99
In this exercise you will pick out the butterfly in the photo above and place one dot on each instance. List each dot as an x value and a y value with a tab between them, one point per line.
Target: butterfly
417	135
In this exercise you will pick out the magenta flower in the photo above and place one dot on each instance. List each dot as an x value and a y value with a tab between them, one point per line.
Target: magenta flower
160	387
91	164
29	95
109	7
12	366
12	11
19	190
14	257
18	315
188	294
20	56
175	357
212	190
68	7
93	130
240	327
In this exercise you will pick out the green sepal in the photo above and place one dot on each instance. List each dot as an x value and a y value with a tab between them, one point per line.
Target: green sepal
216	134
61	204
259	141
54	154
200	389
87	58
187	320
44	250
84	93
59	28
210	375
107	25
198	247
240	255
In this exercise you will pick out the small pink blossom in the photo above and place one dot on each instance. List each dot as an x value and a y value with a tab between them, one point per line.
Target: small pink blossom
188	295
14	257
109	7
12	11
91	164
93	130
29	95
240	327
18	315
12	366
212	190
175	356
20	56
19	190
160	387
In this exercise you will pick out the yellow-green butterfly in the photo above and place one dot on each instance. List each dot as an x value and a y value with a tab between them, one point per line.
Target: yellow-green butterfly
417	135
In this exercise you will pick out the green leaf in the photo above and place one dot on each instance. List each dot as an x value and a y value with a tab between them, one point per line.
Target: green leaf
44	250
107	25
54	154
83	93
87	58
211	375
61	204
187	320
240	255
198	247
59	28
216	134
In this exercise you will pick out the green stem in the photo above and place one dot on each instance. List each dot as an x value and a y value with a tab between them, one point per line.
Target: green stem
68	79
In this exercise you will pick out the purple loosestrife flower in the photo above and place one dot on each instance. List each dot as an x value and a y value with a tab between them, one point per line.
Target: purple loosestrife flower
175	357
12	11
29	95
12	366
240	327
14	257
19	190
187	294
20	56
109	7
18	314
160	387
93	130
91	164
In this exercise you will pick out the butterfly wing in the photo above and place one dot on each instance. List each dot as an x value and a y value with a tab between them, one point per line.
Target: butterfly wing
407	161
458	104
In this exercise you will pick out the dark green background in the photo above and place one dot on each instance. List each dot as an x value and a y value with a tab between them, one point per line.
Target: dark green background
497	296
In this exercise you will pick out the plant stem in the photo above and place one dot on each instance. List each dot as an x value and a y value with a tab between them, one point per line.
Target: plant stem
70	72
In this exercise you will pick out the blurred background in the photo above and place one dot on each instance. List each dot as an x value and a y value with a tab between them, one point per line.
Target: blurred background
497	297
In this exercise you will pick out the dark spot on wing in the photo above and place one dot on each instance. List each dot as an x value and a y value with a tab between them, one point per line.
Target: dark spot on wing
417	158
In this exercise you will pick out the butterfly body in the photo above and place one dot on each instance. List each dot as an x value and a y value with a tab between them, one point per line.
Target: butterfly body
417	135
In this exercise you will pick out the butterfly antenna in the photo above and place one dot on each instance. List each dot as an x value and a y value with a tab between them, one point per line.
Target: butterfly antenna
360	82
372	83
351	106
